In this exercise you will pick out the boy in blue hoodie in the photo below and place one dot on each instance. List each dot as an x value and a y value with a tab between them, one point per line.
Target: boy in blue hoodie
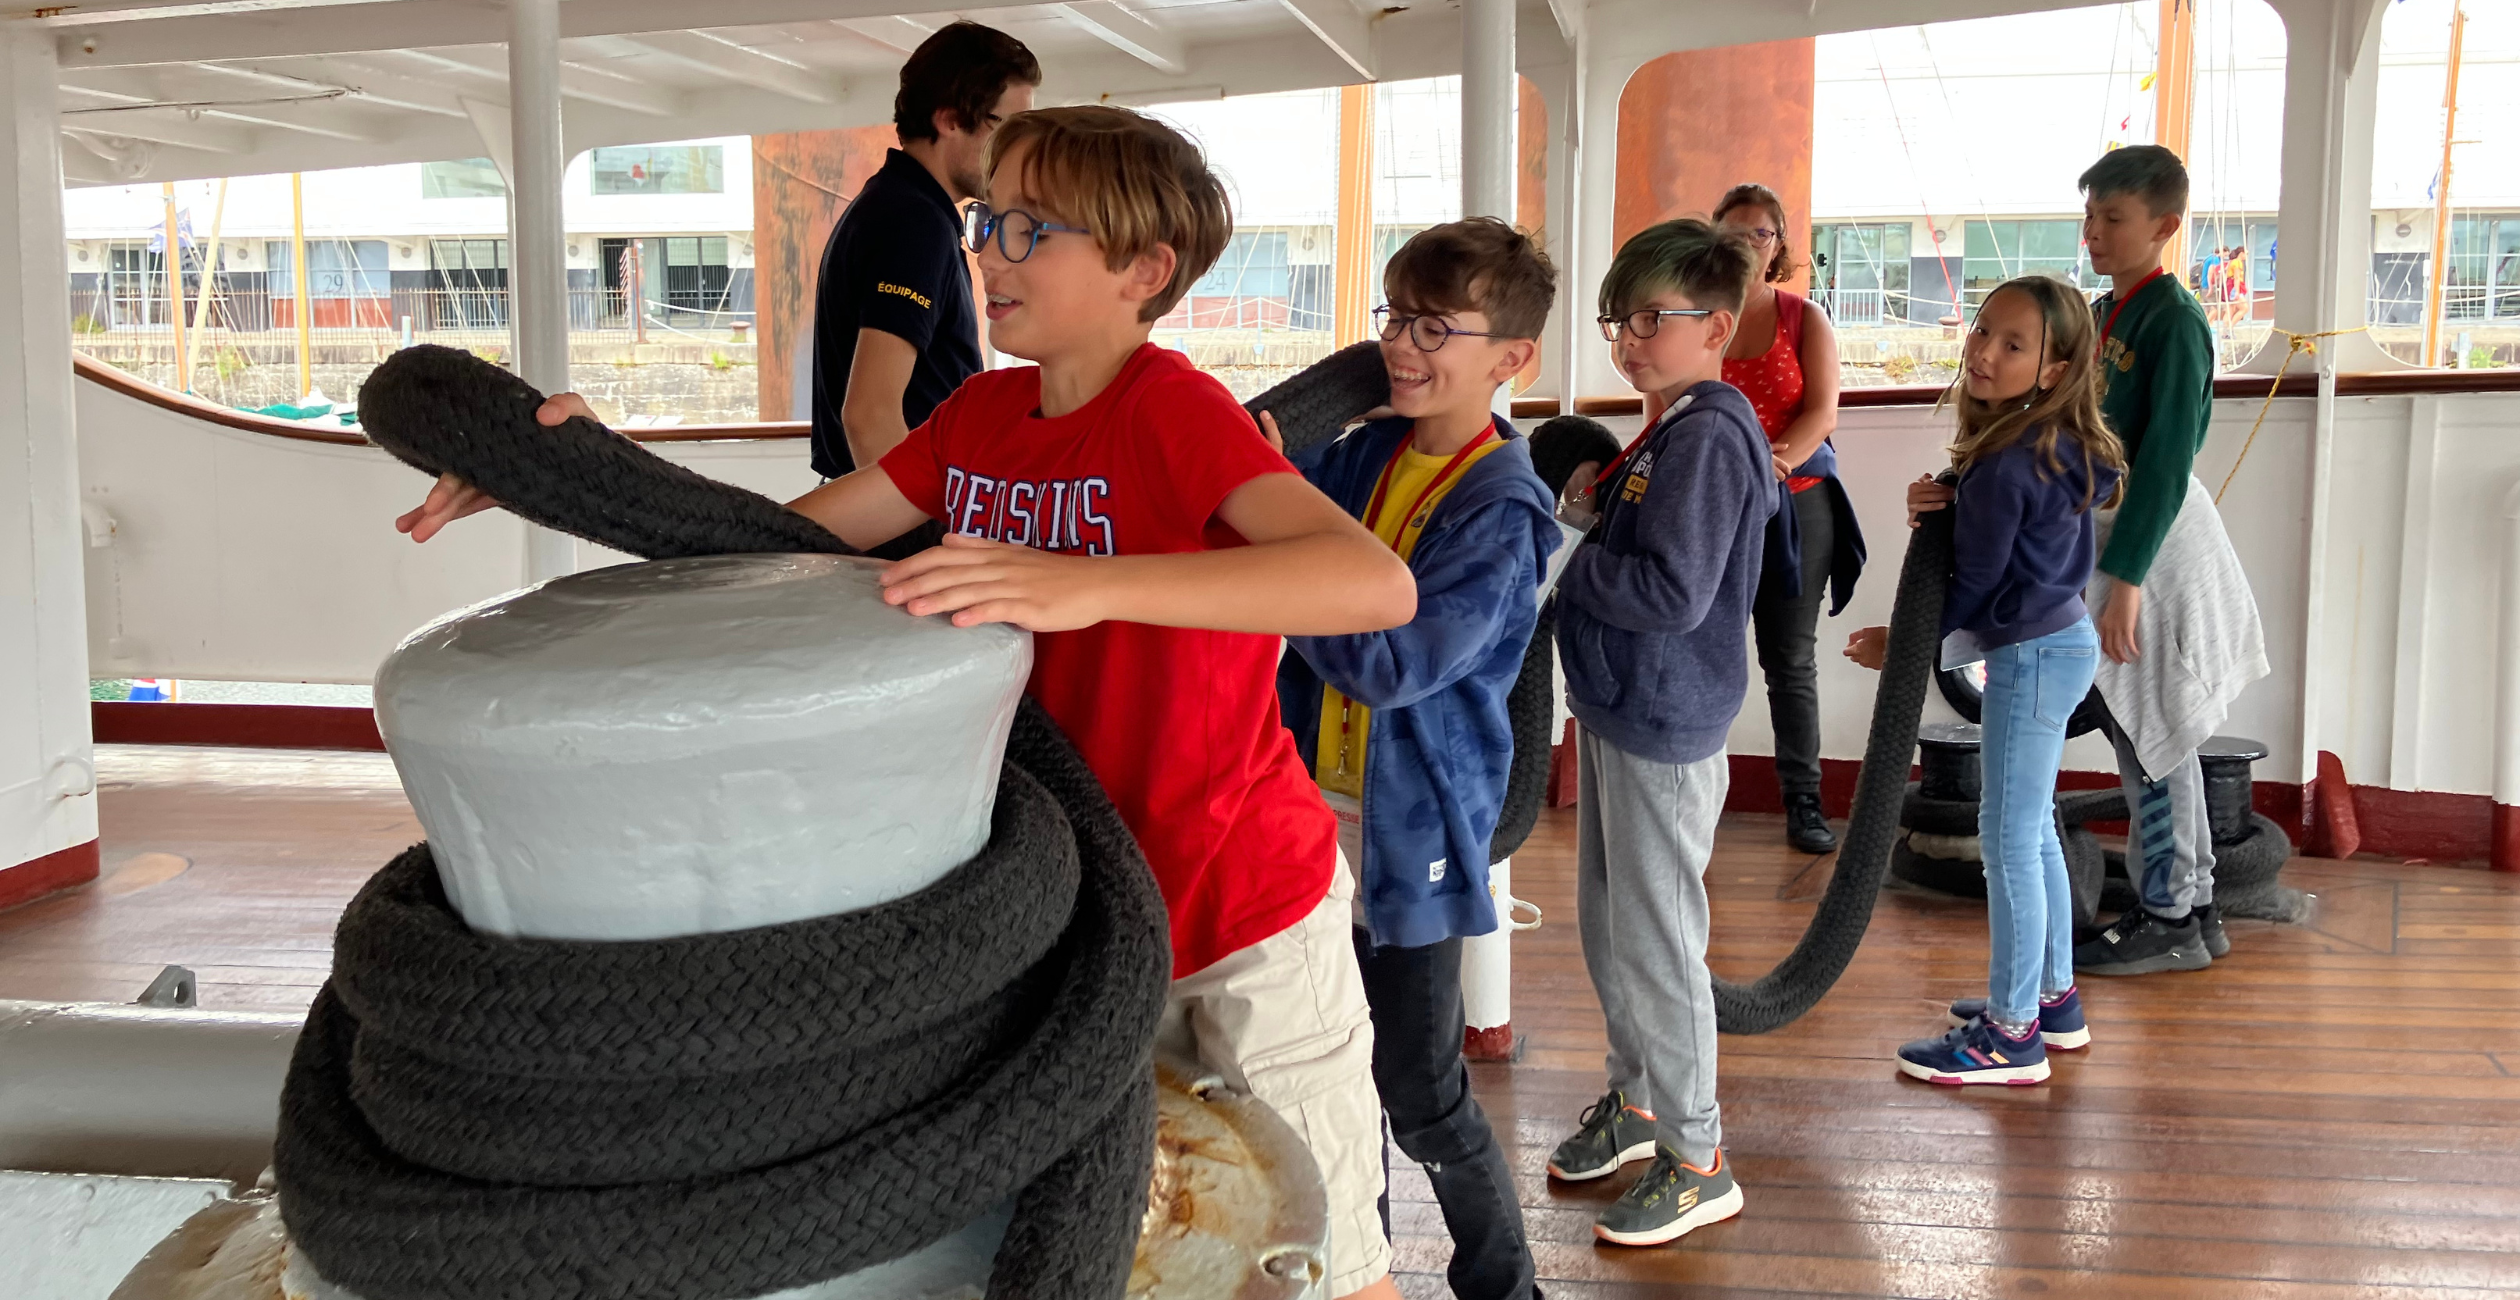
1653	611
1406	729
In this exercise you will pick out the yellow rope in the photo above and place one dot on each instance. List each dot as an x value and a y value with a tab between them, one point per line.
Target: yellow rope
2300	343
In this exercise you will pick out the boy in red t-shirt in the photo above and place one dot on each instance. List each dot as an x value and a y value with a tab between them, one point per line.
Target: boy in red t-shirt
1119	503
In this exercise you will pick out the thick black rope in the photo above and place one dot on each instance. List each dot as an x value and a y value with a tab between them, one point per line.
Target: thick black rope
727	1114
1783	994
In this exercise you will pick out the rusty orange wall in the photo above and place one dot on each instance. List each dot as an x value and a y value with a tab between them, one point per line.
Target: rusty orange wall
800	183
1694	124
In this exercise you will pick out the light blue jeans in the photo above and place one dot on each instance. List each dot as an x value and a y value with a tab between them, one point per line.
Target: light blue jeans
2031	690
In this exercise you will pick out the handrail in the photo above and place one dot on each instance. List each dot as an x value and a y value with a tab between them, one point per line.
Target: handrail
2385	384
2381	384
167	399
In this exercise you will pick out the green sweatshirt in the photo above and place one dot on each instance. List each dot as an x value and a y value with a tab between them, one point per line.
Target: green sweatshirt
2157	392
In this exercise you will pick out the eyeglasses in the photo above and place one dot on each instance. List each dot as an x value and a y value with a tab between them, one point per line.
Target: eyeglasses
1427	332
1015	230
1760	235
1644	324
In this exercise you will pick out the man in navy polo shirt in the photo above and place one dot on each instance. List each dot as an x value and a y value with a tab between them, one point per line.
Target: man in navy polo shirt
894	329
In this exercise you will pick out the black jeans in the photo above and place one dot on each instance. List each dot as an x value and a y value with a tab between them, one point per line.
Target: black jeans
1785	628
1415	994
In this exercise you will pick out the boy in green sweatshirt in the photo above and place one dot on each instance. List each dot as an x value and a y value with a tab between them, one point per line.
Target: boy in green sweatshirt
2157	385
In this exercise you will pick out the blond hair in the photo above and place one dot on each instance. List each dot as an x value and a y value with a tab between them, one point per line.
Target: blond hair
1131	180
2070	411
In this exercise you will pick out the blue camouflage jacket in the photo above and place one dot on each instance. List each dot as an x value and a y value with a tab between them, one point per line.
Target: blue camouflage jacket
1439	743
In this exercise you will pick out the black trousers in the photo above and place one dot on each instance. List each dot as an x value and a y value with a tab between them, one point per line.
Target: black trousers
1786	631
1415	994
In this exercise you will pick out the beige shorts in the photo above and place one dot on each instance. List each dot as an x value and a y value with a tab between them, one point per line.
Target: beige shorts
1285	1020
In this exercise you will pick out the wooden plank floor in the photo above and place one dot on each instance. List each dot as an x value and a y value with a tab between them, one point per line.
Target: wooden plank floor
2331	1112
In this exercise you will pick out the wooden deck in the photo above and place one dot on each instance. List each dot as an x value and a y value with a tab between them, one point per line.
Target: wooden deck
2331	1112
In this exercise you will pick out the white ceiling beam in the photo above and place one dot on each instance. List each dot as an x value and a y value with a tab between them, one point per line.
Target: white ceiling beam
743	64
581	81
1339	26
1569	15
597	84
1128	33
356	28
892	31
365	86
110	114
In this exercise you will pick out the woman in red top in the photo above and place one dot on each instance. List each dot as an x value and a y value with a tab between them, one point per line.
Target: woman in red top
1784	358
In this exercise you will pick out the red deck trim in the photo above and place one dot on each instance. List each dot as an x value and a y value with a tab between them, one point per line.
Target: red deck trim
245	726
51	873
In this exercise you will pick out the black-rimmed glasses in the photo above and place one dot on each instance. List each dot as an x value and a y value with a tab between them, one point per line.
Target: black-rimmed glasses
1429	333
1015	230
1644	324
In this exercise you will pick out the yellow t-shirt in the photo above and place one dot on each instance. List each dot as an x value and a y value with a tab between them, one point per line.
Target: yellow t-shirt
1339	753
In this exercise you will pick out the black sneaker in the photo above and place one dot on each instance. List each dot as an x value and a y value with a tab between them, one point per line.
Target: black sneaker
1670	1201
2209	927
2139	943
1805	828
1612	1133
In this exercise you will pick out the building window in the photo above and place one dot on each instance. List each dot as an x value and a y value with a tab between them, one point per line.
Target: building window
468	280
659	169
1860	272
674	273
463	178
695	273
2484	272
347	283
1995	251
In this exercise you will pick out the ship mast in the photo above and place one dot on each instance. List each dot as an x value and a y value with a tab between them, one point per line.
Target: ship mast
2435	295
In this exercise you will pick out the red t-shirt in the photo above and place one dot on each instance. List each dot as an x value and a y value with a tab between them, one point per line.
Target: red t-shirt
1182	726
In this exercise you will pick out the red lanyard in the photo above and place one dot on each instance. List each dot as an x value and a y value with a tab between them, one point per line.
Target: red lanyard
1624	456
1373	508
2123	299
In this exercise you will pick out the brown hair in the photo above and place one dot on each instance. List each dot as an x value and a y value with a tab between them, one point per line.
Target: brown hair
1710	267
1131	180
1480	264
2147	171
2070	410
1781	262
963	68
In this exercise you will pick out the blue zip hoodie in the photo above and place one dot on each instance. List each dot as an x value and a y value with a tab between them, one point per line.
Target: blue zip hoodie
2021	548
1439	743
1654	606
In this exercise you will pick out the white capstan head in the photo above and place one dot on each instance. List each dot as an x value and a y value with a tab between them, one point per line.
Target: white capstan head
697	745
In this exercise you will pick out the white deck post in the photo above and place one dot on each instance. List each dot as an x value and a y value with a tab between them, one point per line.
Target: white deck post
1489	157
1570	317
2323	218
1605	66
47	758
537	245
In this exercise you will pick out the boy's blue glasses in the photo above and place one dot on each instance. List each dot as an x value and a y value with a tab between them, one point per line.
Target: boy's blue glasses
1010	228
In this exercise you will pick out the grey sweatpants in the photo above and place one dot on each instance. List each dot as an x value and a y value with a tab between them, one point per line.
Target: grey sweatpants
1643	834
2168	831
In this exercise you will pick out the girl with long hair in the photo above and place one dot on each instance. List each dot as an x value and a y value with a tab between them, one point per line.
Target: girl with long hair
2032	460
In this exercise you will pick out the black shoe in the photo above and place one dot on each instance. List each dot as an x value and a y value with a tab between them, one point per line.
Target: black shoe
2139	943
1612	1133
1805	828
1669	1201
2209	927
